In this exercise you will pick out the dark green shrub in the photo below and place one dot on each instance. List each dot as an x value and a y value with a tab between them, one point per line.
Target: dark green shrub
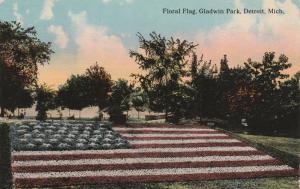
5	157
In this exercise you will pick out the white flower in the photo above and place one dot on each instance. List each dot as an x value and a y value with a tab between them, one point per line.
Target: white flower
22	131
107	140
40	135
120	144
30	146
48	131
61	131
69	140
106	145
51	127
57	136
97	132
109	136
38	127
71	136
23	127
84	136
93	145
38	140
23	140
27	135
36	131
46	146
63	146
80	145
81	140
53	140
94	139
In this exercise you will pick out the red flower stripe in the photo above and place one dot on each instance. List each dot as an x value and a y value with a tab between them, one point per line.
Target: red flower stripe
133	155
176	138
186	145
167	132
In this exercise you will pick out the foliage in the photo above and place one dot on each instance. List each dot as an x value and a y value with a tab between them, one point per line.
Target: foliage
20	53
74	94
163	61
266	77
139	100
100	84
120	99
45	98
203	88
89	89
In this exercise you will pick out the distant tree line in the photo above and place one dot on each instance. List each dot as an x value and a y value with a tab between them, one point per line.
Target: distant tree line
173	80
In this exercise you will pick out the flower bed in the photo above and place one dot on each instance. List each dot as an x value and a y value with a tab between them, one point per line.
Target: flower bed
159	155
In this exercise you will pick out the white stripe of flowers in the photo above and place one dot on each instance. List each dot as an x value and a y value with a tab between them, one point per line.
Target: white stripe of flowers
146	172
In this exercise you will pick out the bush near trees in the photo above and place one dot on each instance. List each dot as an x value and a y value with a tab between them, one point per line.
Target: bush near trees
120	100
140	100
45	100
20	54
6	180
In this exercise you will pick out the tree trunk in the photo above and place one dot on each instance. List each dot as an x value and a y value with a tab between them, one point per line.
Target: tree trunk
2	111
138	114
166	109
69	112
100	113
79	114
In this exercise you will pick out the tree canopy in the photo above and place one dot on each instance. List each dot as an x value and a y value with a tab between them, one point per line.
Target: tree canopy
163	61
20	54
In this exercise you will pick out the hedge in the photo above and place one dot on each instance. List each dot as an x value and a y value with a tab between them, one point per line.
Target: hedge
5	157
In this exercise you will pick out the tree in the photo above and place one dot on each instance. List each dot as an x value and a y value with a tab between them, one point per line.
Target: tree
15	92
266	77
287	117
120	100
202	88
20	54
163	61
100	84
74	94
45	100
238	94
139	100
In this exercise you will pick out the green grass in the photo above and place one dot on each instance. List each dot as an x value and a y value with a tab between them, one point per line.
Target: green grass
264	183
289	145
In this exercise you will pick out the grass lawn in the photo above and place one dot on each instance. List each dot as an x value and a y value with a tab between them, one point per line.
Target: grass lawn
269	183
290	145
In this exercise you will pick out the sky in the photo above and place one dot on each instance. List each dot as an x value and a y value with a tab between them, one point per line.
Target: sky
86	31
